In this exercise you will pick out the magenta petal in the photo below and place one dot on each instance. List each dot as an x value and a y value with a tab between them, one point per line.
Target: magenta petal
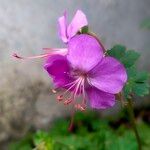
84	52
56	64
62	80
57	67
62	24
109	75
99	99
77	23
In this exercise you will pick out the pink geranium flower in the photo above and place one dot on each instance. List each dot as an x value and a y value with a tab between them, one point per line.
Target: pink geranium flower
66	32
82	70
86	73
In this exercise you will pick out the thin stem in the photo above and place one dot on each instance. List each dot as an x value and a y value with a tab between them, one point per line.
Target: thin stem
132	120
71	121
130	110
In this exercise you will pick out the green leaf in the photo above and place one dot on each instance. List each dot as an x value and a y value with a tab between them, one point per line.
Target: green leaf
45	145
75	142
141	89
141	76
118	51
130	58
144	131
137	82
43	141
23	144
104	137
85	29
128	89
127	57
60	127
145	24
39	137
131	71
17	146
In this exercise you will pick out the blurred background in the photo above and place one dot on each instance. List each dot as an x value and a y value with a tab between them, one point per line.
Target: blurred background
26	26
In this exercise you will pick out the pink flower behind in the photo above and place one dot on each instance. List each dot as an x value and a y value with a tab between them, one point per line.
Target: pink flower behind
66	32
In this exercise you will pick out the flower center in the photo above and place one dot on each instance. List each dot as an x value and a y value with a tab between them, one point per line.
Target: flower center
75	91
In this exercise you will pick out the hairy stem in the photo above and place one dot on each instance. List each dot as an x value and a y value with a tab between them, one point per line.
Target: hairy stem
133	124
129	106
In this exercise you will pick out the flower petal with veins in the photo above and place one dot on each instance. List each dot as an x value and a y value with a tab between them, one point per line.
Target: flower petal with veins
109	75
99	99
84	52
62	27
58	67
77	23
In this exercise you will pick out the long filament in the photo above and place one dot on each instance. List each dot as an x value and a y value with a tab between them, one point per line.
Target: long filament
31	57
49	51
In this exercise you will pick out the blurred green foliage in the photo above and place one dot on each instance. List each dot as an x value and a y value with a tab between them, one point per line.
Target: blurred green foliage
88	133
145	24
137	83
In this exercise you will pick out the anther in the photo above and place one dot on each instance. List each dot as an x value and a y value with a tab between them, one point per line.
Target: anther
54	91
68	101
16	56
80	107
60	97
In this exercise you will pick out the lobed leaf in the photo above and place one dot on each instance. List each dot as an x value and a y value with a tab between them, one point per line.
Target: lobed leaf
141	76
137	81
141	89
130	58
118	51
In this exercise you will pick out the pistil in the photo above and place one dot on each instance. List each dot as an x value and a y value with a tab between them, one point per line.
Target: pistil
48	52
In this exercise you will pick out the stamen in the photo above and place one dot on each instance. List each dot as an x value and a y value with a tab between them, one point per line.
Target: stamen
54	91
49	51
62	51
68	101
79	88
60	97
73	84
31	57
83	92
71	122
80	107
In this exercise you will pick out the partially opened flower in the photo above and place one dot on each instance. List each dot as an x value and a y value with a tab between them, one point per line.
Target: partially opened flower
85	72
66	32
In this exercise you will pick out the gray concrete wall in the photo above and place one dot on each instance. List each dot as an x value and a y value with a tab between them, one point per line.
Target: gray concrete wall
29	25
